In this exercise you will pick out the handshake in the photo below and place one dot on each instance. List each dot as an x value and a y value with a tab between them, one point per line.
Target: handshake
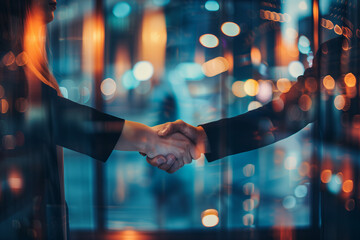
175	144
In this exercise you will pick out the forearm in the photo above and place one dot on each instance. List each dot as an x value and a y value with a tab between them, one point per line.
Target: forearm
135	137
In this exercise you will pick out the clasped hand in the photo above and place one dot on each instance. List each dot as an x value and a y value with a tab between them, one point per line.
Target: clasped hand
178	144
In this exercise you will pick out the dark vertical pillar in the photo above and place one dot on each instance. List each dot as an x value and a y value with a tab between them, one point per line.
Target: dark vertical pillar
98	76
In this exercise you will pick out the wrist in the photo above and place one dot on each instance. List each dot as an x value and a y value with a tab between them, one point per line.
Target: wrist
202	141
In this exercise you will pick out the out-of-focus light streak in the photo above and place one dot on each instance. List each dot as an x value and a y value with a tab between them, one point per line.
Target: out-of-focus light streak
230	29
15	181
153	41
255	55
210	218
212	6
209	40
215	66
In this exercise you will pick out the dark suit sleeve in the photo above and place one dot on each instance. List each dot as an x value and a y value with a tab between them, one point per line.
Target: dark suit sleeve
84	129
263	126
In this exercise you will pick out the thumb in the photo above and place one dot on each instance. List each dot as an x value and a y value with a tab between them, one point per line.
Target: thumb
168	129
195	152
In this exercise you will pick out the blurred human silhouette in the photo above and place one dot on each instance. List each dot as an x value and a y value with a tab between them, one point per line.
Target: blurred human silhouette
36	121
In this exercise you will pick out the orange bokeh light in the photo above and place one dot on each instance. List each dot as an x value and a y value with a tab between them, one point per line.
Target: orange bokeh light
326	176
329	82
255	55
251	87
350	80
284	85
305	102
348	186
340	102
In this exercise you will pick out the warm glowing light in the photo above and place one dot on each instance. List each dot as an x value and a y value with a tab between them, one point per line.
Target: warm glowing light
8	59
340	102
265	91
305	102
4	106
329	82
251	87
121	9
143	70
296	69
238	89
348	186
283	84
15	181
209	40
108	87
22	59
326	176
230	29
254	105
249	170
350	80
153	41
302	5
248	219
215	66
255	55
338	30
290	163
212	6
210	218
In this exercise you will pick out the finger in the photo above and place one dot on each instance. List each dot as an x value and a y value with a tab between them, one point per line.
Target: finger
156	161
176	166
170	128
195	152
170	160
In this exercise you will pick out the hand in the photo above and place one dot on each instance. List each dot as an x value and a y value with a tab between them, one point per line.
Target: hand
196	134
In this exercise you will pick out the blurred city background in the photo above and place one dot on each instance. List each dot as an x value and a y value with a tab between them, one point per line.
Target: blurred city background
155	61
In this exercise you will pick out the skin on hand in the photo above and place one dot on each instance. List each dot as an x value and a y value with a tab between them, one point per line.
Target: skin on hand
197	136
139	137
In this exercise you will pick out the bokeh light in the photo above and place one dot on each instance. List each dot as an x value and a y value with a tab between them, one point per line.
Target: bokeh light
237	89
248	188
249	170
350	80
305	102
340	102
209	40
129	81
254	105
300	191
248	219
289	202
303	5
121	9
190	71
255	55
348	186
108	87
304	45
329	82
248	205
334	185
230	29
215	66
210	217
283	84
296	69
143	70
265	91
290	163
212	6
251	87
326	176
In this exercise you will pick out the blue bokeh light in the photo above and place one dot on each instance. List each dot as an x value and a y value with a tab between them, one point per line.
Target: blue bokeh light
129	81
190	71
122	9
212	6
334	185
